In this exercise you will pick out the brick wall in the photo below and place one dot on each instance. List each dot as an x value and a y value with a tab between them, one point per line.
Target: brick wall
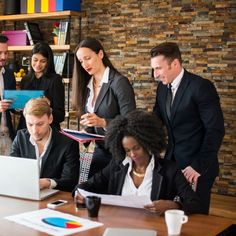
206	34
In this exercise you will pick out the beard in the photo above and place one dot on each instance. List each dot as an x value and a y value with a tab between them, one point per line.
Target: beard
2	63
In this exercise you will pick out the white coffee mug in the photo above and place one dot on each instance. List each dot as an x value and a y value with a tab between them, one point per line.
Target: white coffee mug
174	220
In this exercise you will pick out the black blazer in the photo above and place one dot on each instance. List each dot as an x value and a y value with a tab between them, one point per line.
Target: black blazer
60	162
9	84
53	90
167	183
115	98
196	126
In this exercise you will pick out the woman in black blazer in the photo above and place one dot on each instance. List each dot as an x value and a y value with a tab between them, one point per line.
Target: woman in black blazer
136	141
99	93
42	76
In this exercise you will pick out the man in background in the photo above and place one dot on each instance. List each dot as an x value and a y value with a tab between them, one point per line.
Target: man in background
190	109
58	155
7	81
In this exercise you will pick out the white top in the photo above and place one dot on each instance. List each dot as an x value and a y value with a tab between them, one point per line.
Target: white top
105	77
39	157
145	187
175	84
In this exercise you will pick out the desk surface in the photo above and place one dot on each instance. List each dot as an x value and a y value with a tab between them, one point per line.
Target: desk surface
110	216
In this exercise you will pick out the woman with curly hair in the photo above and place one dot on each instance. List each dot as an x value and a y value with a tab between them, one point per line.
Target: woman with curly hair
135	142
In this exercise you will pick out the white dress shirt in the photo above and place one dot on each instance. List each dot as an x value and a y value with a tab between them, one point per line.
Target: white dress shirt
105	77
145	187
175	84
53	183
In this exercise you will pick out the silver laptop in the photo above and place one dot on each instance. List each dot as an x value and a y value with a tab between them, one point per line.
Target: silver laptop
19	177
129	232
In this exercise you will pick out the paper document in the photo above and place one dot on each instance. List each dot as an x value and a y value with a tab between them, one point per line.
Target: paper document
117	200
21	97
81	136
53	222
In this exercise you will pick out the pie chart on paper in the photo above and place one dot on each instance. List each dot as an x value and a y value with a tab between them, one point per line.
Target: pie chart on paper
61	222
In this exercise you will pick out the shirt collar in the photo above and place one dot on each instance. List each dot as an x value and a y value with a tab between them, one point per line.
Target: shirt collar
177	80
105	78
128	160
2	70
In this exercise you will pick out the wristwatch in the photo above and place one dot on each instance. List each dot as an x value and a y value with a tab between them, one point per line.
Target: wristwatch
177	200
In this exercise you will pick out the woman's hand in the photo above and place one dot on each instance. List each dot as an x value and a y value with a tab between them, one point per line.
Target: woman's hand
160	206
91	120
5	104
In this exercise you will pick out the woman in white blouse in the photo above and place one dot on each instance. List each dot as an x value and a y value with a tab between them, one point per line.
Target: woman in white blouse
135	142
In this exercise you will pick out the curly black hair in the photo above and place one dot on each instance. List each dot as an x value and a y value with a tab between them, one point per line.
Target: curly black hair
145	127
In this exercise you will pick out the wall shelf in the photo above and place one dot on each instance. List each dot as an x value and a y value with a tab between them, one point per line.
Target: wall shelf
45	16
29	48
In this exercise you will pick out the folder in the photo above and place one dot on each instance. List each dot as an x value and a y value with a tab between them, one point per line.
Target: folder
30	6
21	97
23	6
52	5
72	5
37	5
81	136
44	5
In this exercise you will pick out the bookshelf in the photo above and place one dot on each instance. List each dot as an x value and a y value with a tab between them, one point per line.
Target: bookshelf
61	15
28	48
43	16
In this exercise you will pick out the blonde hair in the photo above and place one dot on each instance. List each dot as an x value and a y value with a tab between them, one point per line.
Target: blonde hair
37	107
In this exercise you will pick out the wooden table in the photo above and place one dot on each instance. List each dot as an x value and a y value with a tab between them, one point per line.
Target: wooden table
110	216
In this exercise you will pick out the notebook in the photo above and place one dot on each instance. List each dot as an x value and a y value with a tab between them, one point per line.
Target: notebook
129	232
19	177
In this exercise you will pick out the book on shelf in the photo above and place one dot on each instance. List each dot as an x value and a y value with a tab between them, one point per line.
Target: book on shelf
68	65
63	32
33	32
59	62
81	136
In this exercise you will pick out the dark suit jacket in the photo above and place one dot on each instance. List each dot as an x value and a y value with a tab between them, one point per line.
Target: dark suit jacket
167	183
9	84
60	162
53	90
196	127
115	98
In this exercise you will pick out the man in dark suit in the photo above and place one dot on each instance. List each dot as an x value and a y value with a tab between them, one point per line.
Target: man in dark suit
190	109
58	155
7	81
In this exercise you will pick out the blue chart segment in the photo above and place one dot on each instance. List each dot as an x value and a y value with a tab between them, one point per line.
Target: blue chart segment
61	222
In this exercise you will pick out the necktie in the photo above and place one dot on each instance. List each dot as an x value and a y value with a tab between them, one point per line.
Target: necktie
168	100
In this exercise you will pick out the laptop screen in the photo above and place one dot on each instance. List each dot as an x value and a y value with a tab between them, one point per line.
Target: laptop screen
21	177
